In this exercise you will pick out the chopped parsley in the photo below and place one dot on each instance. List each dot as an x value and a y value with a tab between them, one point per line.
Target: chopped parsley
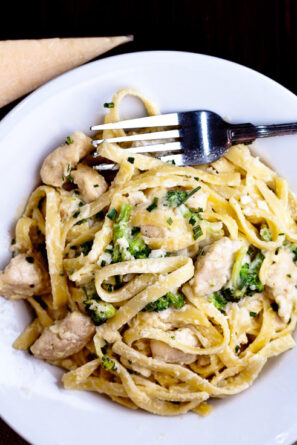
170	221
131	160
153	205
194	219
108	105
112	214
69	140
96	185
237	349
103	263
80	204
108	250
197	232
253	314
76	214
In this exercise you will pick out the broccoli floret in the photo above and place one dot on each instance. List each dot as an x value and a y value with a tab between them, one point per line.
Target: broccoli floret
120	226
138	248
99	311
218	301
120	231
163	303
245	277
249	275
177	300
108	363
175	198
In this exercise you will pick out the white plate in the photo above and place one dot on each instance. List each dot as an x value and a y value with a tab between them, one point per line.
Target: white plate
31	397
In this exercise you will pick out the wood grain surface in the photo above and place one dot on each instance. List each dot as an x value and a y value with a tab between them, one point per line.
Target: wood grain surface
261	34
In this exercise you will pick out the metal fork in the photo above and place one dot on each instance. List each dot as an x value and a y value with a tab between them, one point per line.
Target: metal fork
200	137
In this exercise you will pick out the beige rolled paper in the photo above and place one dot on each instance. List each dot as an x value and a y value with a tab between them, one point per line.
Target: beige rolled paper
27	64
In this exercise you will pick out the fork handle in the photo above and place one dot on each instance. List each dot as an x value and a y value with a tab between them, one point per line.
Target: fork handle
250	132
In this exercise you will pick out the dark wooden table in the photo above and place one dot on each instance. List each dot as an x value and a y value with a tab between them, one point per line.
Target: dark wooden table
261	34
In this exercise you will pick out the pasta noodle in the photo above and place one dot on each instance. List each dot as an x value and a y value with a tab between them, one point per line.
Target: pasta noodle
172	286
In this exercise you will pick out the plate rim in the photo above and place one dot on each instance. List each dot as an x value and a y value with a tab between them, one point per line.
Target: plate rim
32	99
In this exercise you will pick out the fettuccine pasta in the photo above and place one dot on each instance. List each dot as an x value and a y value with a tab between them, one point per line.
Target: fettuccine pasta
162	286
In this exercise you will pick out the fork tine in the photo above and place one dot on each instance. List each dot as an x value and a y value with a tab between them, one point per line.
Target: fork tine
155	148
163	120
141	137
174	159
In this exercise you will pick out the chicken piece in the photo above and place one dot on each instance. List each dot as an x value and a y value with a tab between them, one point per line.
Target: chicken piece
213	270
198	200
58	163
162	351
281	279
64	338
152	231
24	276
91	185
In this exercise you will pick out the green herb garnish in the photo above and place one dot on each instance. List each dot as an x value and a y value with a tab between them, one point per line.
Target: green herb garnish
197	232
112	214
108	105
153	205
69	140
